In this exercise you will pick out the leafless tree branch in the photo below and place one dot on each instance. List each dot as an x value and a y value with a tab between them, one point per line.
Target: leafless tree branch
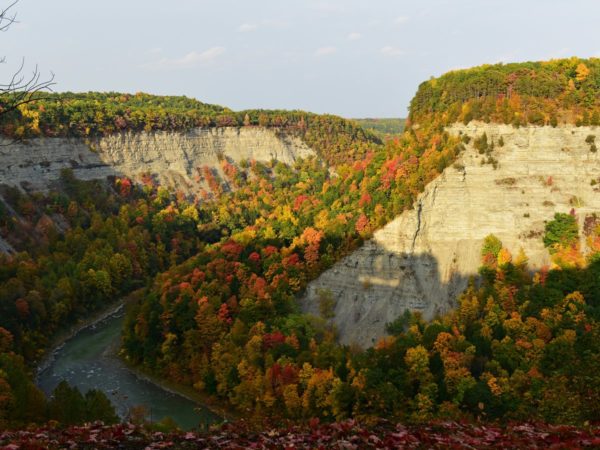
7	17
22	88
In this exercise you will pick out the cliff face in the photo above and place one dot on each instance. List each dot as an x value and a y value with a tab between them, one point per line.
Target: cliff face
174	158
423	259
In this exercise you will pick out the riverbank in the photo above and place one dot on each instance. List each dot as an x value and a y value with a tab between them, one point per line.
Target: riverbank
227	413
109	351
58	341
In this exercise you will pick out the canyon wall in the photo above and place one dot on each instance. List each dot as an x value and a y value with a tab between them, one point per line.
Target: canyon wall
174	158
424	258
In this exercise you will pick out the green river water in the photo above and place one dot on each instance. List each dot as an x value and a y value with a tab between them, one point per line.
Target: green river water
89	361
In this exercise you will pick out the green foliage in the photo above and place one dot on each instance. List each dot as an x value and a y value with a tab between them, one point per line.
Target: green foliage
516	93
383	127
400	324
69	407
562	231
481	144
491	246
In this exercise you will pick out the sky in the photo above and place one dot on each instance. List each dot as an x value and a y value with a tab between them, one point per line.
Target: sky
347	57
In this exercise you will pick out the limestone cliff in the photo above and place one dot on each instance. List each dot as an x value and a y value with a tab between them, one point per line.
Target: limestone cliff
423	259
173	157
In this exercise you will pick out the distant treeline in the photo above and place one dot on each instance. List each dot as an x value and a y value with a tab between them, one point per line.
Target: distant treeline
383	127
539	93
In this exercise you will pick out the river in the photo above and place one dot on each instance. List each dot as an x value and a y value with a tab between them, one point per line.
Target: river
89	361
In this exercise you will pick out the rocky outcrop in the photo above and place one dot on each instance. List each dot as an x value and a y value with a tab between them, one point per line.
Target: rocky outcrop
175	158
423	259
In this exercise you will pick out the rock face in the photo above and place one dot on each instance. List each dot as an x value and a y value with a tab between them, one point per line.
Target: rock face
175	158
423	259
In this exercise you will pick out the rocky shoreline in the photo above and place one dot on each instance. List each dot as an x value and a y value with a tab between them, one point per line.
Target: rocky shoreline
62	338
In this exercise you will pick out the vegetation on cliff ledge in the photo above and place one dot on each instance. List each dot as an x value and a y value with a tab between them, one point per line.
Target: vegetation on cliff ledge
537	93
96	114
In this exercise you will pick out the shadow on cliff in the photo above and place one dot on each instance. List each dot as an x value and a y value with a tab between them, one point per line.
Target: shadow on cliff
374	286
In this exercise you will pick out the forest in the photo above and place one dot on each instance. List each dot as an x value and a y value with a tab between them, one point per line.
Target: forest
213	284
383	127
539	93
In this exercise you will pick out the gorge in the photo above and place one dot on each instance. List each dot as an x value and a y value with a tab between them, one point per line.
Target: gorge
450	271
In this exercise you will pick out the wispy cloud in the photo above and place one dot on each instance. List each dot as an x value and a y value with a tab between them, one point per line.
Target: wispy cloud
388	50
191	59
325	51
401	20
354	36
247	27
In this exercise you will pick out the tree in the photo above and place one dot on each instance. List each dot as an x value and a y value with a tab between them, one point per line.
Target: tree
562	231
99	407
20	89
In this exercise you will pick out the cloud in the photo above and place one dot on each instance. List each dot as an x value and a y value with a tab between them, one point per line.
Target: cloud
388	50
401	20
354	36
324	51
247	27
191	59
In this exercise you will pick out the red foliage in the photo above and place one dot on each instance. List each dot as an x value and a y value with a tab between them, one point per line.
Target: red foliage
362	224
347	434
124	187
274	339
291	261
232	249
224	314
270	250
299	201
365	200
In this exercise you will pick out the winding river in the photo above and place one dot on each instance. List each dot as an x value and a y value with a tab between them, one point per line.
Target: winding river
89	361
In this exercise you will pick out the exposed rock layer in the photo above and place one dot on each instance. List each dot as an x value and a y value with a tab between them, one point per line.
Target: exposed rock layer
174	157
423	259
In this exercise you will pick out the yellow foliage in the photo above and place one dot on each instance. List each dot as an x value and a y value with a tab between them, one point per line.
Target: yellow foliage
417	360
291	399
582	72
504	257
468	309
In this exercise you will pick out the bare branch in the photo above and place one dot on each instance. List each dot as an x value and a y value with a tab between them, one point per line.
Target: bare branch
21	89
7	18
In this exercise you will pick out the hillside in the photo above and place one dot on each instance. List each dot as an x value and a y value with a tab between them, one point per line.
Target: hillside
383	127
452	197
424	258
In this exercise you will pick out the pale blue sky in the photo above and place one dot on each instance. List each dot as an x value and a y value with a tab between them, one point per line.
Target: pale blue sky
347	57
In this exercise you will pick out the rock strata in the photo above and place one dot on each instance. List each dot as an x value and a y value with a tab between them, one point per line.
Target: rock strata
174	158
424	258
